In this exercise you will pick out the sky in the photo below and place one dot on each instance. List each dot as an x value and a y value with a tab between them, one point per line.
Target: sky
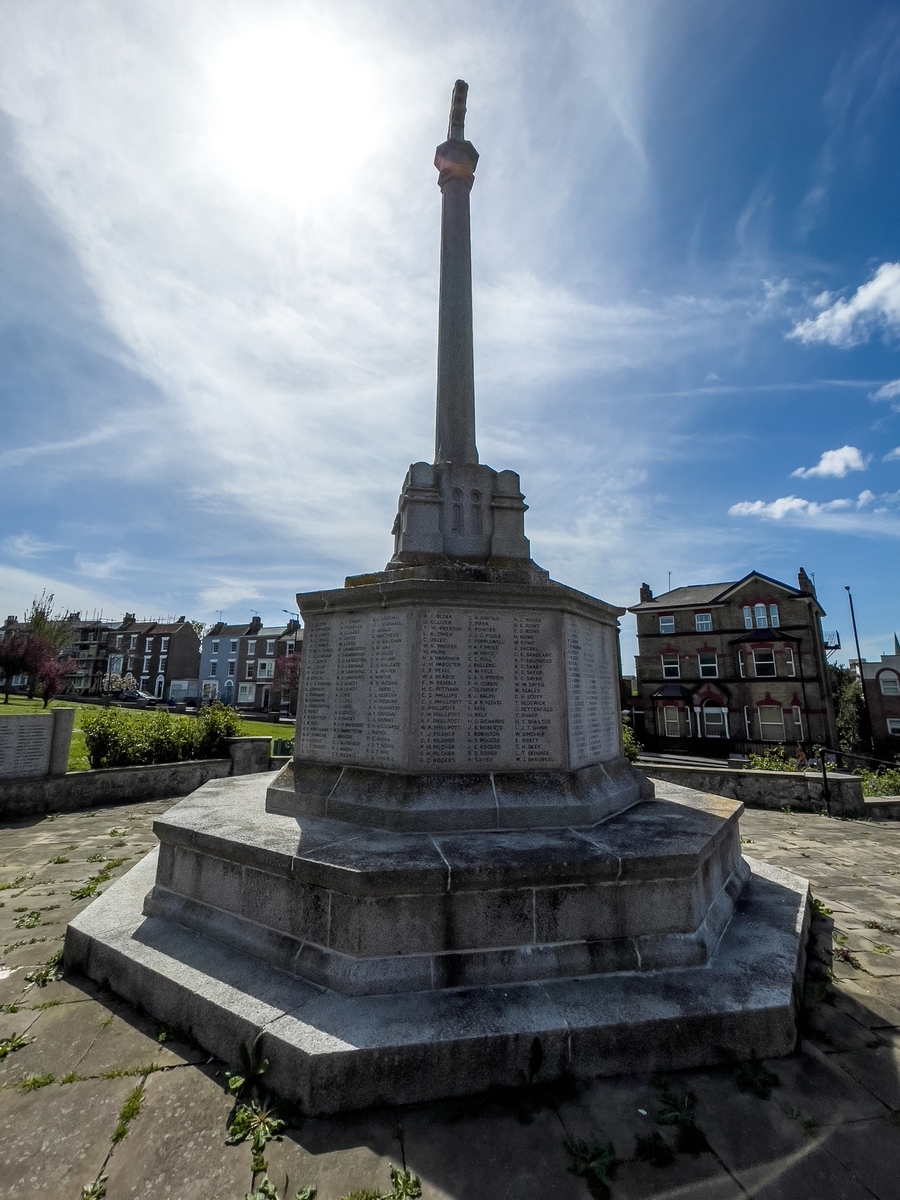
219	232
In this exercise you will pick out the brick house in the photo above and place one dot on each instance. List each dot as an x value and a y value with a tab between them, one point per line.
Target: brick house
727	665
219	660
163	656
259	652
90	649
882	684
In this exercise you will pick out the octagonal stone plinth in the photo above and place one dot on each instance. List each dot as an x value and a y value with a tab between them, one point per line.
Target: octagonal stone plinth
330	1050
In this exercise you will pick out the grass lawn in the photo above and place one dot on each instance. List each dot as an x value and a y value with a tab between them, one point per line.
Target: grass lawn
78	759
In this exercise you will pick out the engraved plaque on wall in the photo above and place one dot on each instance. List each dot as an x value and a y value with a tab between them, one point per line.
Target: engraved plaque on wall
489	690
25	745
593	692
353	695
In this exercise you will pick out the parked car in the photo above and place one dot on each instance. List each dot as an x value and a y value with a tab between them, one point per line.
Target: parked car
138	697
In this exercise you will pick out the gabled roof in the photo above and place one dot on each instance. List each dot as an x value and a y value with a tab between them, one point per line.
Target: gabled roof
684	597
713	593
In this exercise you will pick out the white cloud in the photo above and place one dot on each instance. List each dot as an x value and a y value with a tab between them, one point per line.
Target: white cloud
892	455
834	464
841	515
846	323
103	567
26	545
888	391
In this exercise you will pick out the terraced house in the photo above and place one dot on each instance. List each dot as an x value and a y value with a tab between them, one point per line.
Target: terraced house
728	666
164	656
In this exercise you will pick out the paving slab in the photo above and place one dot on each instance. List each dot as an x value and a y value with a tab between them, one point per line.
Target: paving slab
340	1154
877	1069
62	1037
870	1150
57	1139
176	1146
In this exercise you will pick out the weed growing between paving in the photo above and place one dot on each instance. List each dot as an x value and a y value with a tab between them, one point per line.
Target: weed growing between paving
48	972
594	1162
32	1083
15	1041
95	1190
130	1110
751	1074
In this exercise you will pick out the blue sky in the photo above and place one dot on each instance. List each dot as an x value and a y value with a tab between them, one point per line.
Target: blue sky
219	240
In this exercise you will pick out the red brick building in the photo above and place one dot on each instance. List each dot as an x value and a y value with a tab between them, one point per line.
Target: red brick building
882	684
722	666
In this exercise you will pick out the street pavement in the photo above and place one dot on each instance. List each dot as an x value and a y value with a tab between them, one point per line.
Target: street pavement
98	1100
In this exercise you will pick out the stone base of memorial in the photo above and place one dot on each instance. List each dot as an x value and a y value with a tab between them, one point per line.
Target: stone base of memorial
387	967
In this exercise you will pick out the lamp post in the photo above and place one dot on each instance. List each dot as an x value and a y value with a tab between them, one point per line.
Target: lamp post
859	660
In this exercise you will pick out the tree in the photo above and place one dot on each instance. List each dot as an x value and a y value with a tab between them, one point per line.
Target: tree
52	674
48	634
13	660
199	627
849	707
286	682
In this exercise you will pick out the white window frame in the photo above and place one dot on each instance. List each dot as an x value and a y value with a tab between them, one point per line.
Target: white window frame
798	721
748	617
670	670
763	725
251	649
761	615
667	623
705	672
145	669
232	666
765	675
670	722
741	669
270	646
893	726
234	645
790	666
720	720
265	669
213	669
132	645
703	622
250	669
289	647
164	644
214	648
246	693
774	619
148	645
892	677
162	663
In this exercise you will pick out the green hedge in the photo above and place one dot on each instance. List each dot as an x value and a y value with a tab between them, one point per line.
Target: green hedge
881	783
116	737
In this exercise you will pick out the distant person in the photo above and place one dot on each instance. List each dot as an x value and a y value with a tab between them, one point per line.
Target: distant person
802	760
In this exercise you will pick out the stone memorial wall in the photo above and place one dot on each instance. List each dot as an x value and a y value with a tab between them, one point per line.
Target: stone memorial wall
33	744
458	689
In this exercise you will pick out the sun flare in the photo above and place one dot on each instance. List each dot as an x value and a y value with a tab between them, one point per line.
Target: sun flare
294	111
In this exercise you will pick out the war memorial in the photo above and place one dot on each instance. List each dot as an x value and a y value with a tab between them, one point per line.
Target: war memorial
459	865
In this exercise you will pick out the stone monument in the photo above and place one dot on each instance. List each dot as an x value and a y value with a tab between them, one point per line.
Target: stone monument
459	862
35	744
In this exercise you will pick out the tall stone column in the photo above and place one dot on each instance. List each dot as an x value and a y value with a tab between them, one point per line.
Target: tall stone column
456	159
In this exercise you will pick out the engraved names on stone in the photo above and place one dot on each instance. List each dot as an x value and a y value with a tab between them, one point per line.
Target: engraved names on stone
592	688
25	745
354	688
489	691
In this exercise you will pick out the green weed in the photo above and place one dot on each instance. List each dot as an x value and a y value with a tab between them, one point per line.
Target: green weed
59	860
751	1074
881	948
892	929
15	1041
130	1110
47	972
72	1077
29	920
95	1190
31	1083
594	1162
821	908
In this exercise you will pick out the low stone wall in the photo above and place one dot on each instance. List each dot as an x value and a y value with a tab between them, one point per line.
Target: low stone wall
21	798
769	789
